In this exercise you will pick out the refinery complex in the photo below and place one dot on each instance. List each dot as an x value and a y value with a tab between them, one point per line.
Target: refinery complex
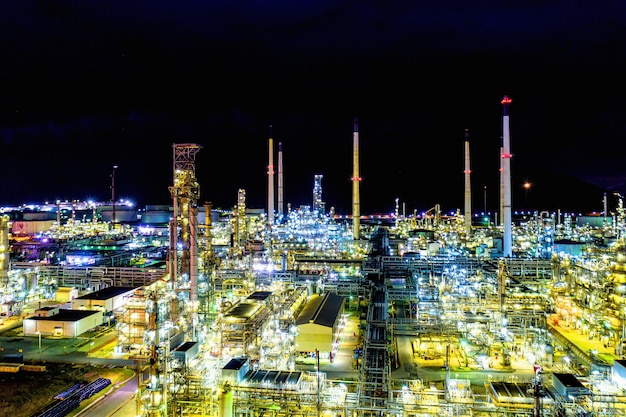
303	312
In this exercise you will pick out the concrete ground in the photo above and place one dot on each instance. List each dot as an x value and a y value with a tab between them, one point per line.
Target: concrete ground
593	347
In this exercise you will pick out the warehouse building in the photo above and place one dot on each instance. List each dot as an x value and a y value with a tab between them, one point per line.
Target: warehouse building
106	300
59	322
319	325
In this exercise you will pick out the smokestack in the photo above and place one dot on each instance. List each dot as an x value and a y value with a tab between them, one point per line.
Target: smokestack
280	180
270	184
356	203
468	187
506	178
501	206
113	218
605	209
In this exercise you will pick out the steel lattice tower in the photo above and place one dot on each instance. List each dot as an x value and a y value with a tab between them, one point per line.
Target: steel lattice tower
183	232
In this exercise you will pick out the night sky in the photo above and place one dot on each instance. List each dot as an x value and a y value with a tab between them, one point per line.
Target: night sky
91	84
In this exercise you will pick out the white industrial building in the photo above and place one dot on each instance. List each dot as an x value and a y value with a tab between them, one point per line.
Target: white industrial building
87	312
106	300
59	322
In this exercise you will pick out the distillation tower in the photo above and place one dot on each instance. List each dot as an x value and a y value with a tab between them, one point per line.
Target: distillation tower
318	202
239	223
168	308
4	250
209	263
185	192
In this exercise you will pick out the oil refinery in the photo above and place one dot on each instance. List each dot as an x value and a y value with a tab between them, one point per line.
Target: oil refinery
251	314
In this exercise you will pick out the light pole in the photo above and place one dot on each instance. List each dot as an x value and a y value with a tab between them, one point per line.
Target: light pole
39	334
89	353
113	194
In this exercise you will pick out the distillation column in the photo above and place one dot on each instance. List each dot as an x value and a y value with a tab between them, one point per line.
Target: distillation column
4	250
206	293
356	179
185	193
318	203
468	187
506	178
239	223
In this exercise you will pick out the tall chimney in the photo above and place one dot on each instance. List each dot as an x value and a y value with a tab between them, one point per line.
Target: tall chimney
270	184
356	203
280	180
468	187
605	209
501	206
113	218
506	178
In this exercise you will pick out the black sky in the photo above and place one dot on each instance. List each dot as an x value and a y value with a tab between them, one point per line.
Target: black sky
91	84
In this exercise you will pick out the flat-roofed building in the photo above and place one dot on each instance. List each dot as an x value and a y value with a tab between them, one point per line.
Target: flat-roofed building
106	300
54	321
568	385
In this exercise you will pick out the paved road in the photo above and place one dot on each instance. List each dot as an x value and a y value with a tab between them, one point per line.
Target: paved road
119	403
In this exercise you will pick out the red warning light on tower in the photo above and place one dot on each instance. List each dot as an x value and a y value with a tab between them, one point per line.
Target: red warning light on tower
506	100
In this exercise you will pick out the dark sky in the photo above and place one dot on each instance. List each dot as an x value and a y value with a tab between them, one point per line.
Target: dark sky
91	84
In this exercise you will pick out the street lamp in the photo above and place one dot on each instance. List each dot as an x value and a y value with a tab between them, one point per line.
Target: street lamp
39	334
88	353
